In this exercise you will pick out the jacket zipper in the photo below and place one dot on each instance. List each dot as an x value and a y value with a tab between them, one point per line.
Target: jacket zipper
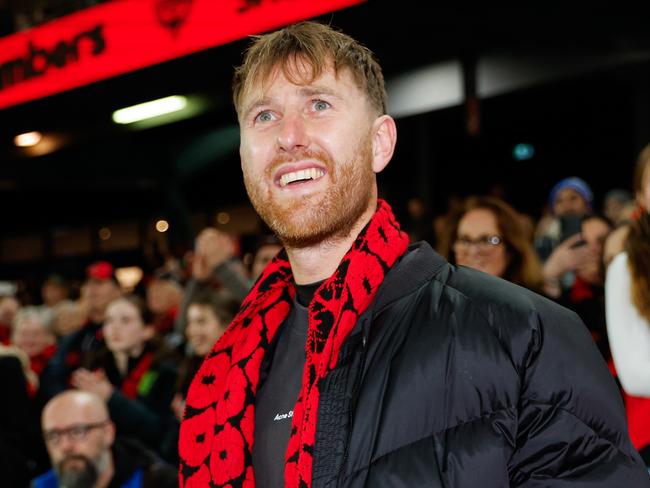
354	397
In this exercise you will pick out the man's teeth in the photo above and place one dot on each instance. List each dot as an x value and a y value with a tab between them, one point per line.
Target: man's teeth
303	174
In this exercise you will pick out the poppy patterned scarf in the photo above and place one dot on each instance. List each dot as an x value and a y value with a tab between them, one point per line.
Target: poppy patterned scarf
216	437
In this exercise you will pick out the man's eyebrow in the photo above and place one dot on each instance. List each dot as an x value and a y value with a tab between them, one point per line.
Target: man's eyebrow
255	104
310	91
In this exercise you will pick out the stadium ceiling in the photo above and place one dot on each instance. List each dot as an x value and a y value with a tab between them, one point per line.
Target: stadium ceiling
94	168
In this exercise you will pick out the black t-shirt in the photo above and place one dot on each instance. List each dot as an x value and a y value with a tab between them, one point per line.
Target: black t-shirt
277	396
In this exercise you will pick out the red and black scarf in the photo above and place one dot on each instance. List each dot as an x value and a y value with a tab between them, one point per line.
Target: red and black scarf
131	383
216	437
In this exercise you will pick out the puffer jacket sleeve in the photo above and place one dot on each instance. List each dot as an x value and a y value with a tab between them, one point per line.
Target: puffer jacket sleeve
572	430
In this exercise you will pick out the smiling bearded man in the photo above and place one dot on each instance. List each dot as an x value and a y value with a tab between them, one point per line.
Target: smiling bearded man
358	360
283	191
309	219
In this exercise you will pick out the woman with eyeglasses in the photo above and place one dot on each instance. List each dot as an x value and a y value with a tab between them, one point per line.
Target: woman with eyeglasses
489	235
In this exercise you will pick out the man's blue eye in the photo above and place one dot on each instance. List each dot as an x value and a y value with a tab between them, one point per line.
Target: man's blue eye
321	105
264	117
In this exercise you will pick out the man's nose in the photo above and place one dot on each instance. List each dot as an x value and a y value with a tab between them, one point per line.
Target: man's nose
293	133
67	444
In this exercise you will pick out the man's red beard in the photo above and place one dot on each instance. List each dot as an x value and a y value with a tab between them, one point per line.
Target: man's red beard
309	219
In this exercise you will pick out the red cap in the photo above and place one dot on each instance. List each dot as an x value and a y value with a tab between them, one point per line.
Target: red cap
100	270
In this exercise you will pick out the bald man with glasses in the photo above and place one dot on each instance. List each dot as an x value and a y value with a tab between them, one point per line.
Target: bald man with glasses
85	452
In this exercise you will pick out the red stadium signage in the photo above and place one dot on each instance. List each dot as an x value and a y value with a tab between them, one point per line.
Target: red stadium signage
124	35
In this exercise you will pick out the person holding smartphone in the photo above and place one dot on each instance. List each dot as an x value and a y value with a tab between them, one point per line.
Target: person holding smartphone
560	246
582	254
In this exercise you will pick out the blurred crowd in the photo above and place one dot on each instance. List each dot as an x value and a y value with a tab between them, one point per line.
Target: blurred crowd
137	350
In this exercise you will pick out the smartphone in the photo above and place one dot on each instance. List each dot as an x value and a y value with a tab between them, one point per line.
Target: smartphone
570	225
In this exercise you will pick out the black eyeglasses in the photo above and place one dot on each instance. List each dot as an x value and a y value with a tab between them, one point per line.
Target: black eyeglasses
482	243
76	432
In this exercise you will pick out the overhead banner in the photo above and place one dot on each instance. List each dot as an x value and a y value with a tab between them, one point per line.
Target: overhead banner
125	35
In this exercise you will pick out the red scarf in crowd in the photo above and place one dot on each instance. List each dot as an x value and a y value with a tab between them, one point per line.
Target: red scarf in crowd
40	360
216	437
131	383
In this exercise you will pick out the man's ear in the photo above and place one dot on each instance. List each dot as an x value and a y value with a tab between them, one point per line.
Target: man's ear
384	137
109	436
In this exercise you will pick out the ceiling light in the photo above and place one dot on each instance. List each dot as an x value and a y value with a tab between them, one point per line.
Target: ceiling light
223	218
162	226
105	233
149	110
28	139
129	277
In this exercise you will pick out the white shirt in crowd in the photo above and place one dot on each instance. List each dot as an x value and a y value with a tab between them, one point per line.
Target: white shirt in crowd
628	331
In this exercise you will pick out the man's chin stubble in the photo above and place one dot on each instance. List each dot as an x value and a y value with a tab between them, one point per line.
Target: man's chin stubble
328	221
84	476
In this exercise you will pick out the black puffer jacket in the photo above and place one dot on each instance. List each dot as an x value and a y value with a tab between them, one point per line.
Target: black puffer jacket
454	378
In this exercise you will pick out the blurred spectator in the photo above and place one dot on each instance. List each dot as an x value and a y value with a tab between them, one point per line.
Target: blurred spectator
214	258
164	294
566	258
268	246
208	316
68	317
9	306
594	231
571	196
54	290
22	356
100	288
131	372
214	265
586	296
569	200
490	236
8	289
628	312
32	334
85	452
614	206
22	453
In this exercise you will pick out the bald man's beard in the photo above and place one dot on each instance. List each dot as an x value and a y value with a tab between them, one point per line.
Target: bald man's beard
77	471
308	220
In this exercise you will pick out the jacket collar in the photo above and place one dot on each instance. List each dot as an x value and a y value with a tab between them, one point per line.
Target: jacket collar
417	266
